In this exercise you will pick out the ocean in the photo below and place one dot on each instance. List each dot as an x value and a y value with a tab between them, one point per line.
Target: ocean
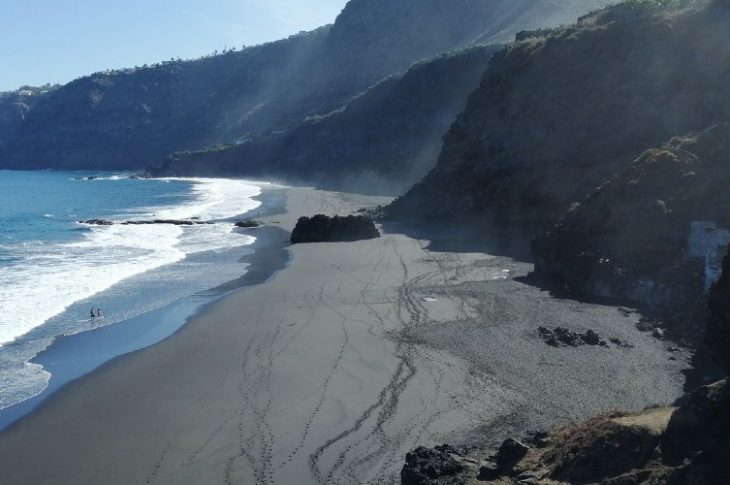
54	269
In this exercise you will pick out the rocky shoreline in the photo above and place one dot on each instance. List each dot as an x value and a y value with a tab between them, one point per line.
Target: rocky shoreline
681	444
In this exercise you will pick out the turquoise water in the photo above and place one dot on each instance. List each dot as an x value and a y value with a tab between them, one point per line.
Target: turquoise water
54	269
43	206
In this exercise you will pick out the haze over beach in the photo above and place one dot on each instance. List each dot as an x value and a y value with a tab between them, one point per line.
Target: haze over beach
423	242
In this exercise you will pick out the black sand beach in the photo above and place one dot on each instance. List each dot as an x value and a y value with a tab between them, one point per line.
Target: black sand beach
333	369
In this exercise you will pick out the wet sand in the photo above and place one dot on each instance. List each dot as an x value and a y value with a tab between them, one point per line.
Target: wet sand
333	369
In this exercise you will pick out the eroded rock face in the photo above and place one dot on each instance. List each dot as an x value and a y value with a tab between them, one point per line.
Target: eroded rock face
321	228
558	115
556	133
138	117
718	330
697	440
432	466
510	452
628	239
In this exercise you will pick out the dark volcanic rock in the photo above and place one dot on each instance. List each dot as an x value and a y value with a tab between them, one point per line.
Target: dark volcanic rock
431	466
248	224
173	222
97	222
138	116
563	337
592	338
629	238
601	448
489	471
510	452
697	439
555	135
567	337
321	228
718	330
621	343
548	336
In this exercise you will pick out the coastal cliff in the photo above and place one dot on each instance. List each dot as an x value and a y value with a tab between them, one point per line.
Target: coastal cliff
718	331
629	239
136	117
384	139
15	106
556	132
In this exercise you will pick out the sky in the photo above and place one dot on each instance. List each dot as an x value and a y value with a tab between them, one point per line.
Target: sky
56	41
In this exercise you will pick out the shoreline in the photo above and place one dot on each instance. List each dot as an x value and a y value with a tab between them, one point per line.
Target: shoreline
72	357
304	379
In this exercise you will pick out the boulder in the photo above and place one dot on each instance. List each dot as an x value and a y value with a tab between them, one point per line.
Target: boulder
548	336
488	471
247	224
698	434
321	228
432	466
562	337
510	452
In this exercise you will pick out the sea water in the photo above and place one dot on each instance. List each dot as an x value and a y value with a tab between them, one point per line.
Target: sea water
54	268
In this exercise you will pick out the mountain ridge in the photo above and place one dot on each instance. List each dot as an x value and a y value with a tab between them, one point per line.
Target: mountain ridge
134	119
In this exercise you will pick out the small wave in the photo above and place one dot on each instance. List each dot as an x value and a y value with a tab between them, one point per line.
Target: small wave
49	278
215	199
20	382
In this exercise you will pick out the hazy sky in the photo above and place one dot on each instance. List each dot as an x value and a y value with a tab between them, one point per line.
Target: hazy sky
58	40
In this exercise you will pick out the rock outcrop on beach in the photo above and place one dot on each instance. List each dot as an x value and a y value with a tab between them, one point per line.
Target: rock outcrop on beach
173	222
686	444
136	117
321	228
555	134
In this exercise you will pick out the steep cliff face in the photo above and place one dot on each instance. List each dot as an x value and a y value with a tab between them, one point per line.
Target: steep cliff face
550	136
629	238
556	116
131	118
16	106
383	140
134	119
718	331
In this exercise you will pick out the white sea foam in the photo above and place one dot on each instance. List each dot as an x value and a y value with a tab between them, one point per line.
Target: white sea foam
49	278
214	199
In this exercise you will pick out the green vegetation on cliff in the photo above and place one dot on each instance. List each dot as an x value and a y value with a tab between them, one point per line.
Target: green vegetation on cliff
383	140
137	117
557	117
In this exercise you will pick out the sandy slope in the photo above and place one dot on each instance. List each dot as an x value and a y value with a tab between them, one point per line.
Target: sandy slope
334	369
